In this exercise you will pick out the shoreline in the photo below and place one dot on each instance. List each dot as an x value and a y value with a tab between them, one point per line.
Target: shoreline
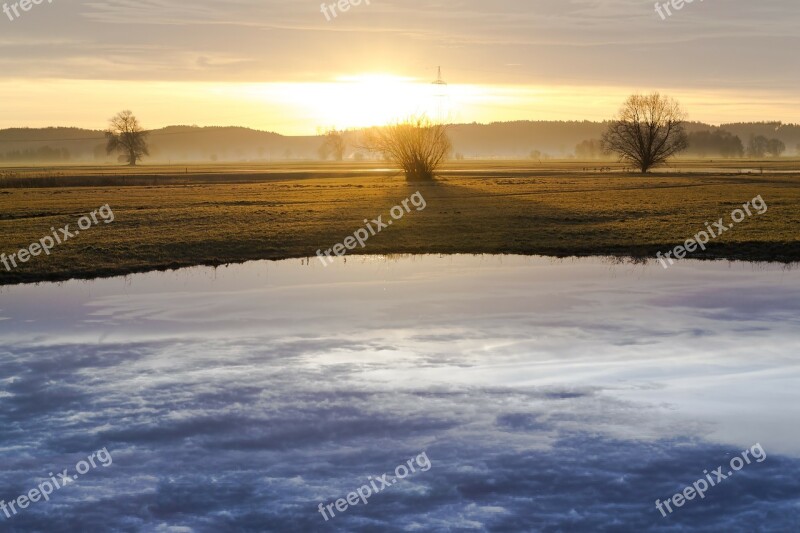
754	258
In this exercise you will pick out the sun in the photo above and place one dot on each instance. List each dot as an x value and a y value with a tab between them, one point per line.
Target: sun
377	99
362	100
345	102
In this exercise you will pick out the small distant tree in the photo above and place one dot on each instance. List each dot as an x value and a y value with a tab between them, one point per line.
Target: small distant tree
757	146
775	147
125	135
647	132
589	149
334	144
731	145
718	142
417	145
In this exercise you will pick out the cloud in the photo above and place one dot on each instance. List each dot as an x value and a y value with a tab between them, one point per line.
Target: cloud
550	41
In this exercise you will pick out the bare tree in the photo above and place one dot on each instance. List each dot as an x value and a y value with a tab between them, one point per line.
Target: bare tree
334	144
648	131
124	134
417	144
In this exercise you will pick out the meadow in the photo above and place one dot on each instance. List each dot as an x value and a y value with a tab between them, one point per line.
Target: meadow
178	216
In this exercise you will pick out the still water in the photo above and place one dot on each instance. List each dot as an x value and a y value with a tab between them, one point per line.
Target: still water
545	395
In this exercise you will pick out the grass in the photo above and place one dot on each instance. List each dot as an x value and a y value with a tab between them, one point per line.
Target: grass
168	217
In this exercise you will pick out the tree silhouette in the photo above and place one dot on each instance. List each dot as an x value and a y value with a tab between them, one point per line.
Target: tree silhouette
775	147
757	146
125	135
334	144
648	130
417	144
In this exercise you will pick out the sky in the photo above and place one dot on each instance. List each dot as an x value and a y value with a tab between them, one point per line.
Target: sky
287	67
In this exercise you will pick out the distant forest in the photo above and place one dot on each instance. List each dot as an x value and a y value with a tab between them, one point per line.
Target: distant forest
517	140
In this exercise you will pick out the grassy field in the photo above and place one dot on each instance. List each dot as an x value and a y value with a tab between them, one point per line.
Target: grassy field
170	217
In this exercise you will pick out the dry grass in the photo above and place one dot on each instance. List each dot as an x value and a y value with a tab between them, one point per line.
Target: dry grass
215	215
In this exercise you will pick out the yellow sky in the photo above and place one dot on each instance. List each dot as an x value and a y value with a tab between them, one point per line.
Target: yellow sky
350	101
283	66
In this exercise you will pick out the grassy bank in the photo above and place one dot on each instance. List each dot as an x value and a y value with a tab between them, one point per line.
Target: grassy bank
174	217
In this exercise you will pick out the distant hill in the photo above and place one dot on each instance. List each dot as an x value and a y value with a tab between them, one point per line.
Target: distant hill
191	144
174	143
518	139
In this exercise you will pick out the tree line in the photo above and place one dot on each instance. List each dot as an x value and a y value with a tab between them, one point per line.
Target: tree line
718	143
44	153
647	131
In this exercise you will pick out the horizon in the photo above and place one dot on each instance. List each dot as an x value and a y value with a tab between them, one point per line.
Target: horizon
466	104
449	125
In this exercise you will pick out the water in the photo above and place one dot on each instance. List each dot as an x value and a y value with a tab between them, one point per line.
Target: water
547	396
